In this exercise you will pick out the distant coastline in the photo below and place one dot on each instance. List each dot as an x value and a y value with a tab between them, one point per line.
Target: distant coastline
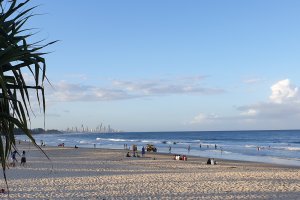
36	131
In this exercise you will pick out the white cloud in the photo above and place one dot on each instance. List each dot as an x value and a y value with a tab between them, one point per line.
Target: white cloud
283	92
64	91
268	110
118	90
284	103
281	111
250	112
168	86
203	118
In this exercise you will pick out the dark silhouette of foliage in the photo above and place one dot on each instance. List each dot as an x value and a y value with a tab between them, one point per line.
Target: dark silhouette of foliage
17	54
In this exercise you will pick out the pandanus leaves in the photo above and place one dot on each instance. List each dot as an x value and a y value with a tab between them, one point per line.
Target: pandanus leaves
16	55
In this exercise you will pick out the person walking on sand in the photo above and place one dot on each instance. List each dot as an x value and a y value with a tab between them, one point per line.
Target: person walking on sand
23	159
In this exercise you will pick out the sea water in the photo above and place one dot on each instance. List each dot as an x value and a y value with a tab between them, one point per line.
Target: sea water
279	147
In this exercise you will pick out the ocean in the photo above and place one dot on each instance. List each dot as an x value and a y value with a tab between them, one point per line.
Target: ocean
278	147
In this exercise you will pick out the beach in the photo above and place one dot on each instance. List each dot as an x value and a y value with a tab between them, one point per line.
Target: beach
87	173
275	147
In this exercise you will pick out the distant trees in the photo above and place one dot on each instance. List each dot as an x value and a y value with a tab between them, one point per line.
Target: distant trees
18	53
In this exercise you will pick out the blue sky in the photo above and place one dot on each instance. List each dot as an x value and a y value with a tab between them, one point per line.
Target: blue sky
171	65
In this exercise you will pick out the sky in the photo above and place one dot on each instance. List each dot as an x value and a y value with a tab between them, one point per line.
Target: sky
170	65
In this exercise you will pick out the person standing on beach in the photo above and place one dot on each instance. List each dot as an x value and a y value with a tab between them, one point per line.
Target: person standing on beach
189	148
200	145
14	159
23	159
215	146
170	148
143	151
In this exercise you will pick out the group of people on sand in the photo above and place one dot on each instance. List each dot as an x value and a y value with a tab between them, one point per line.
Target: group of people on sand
14	158
210	161
135	152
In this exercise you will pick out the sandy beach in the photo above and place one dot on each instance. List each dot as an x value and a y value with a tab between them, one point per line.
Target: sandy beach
107	174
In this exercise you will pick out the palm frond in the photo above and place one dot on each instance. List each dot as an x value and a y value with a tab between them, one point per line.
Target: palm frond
17	54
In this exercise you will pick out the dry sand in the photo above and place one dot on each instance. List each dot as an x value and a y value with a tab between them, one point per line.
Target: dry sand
108	174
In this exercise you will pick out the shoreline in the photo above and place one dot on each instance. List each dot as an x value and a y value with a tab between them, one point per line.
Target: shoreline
259	148
169	156
189	156
195	157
